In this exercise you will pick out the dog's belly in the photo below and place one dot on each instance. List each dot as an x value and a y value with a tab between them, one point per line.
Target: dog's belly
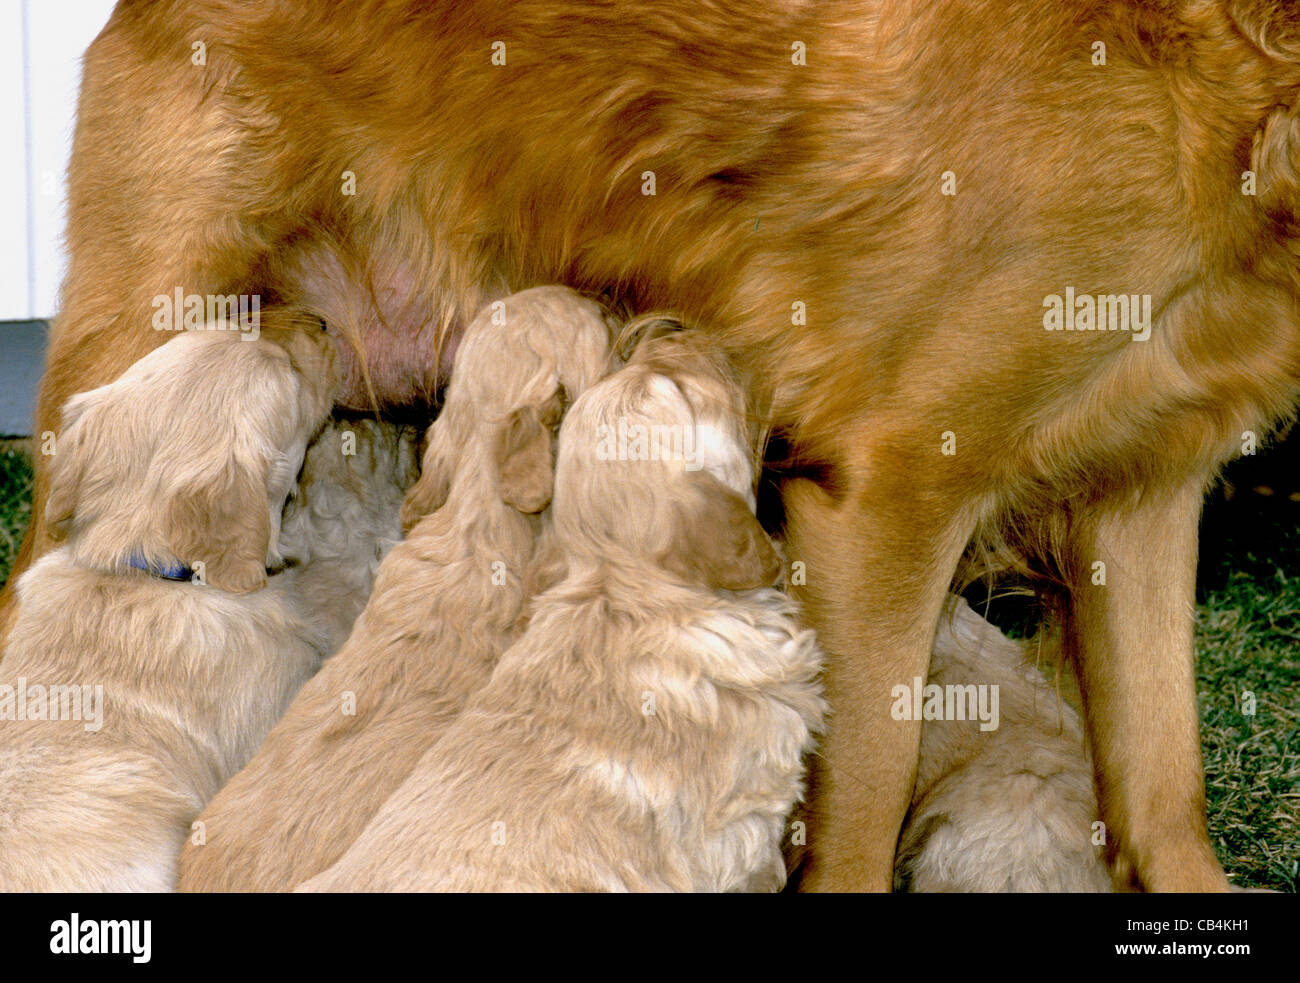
394	348
404	362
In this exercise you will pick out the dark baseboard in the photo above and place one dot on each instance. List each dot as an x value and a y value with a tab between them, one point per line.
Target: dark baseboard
22	359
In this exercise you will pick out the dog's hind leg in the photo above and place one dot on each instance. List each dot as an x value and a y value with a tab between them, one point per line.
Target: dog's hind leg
1132	637
879	560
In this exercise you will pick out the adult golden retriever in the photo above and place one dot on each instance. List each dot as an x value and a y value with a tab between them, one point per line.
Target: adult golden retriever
877	206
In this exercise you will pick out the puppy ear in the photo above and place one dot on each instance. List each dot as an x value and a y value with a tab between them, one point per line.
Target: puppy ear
434	483
641	331
444	442
524	459
65	480
225	524
717	540
67	467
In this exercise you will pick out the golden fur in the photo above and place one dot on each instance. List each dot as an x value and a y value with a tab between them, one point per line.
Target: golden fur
647	731
171	456
446	604
192	676
798	210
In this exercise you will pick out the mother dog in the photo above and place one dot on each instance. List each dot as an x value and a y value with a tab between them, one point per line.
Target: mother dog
876	205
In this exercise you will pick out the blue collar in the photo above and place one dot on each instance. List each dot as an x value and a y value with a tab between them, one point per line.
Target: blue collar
176	570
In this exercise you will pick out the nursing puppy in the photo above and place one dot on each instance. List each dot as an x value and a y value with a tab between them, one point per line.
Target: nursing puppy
345	515
647	731
1007	809
184	463
445	606
937	183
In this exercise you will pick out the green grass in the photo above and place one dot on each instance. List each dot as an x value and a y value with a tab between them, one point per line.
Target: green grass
15	505
1248	640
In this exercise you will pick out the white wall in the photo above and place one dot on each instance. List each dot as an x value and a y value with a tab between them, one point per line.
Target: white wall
41	43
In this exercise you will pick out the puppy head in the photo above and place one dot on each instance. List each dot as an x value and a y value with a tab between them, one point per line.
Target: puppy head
656	465
344	508
716	399
519	363
189	456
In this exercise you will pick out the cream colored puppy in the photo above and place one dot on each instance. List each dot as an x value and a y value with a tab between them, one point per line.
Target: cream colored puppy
647	731
1006	809
446	605
168	680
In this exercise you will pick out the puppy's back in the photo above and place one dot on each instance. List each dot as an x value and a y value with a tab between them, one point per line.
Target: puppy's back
1008	810
80	818
188	679
611	753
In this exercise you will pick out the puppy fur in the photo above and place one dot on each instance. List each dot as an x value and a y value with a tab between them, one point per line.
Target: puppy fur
647	731
799	158
193	676
167	462
445	606
1008	810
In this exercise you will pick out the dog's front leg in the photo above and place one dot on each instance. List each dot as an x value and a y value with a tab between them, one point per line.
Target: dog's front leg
879	560
1131	632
